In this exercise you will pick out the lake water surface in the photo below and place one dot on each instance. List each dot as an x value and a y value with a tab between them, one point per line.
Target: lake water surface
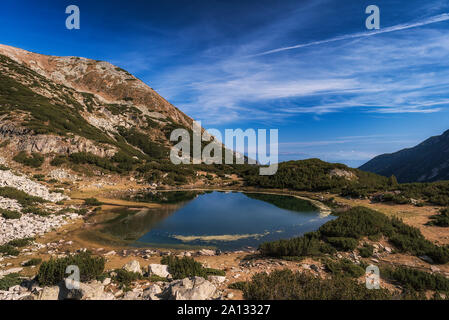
228	221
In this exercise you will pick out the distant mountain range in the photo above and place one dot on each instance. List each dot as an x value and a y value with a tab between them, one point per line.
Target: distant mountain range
426	162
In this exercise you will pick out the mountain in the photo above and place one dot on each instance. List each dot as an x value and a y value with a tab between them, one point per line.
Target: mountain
82	112
426	162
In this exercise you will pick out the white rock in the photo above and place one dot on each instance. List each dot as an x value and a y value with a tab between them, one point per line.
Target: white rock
158	270
133	266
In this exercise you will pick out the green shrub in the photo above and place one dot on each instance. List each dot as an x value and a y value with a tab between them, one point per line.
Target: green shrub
188	267
37	211
92	202
343	244
307	245
10	280
58	161
53	271
240	285
356	223
9	250
440	220
124	277
345	268
155	278
7	214
20	243
286	285
22	197
33	262
35	161
416	279
366	251
3	168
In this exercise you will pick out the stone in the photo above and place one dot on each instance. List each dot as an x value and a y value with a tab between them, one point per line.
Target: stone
314	267
230	295
388	249
217	279
158	270
426	259
107	281
195	288
206	252
49	293
152	292
88	291
133	266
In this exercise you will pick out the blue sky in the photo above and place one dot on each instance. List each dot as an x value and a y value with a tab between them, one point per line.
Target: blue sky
340	94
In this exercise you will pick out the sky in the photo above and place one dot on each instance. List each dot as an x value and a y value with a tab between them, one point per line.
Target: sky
311	69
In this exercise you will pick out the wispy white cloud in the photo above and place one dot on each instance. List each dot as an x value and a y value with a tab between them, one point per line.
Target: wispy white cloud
399	27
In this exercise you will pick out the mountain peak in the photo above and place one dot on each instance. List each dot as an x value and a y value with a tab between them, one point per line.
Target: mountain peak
428	161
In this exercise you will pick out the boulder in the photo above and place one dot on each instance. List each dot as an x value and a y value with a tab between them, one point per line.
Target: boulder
206	252
195	288
49	293
426	259
152	292
88	291
133	266
217	279
158	270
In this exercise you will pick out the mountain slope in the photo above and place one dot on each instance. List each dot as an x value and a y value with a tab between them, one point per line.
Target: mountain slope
65	105
426	162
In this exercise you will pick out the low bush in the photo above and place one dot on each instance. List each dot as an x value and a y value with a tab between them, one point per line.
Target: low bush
287	285
33	262
20	243
22	197
366	251
343	244
416	279
440	220
8	214
124	277
9	250
307	245
344	268
92	202
188	267
240	285
35	161
10	280
53	271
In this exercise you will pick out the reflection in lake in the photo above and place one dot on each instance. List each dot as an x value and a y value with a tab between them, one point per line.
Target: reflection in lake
228	221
